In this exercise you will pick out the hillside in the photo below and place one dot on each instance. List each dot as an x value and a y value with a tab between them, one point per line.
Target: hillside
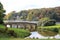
34	14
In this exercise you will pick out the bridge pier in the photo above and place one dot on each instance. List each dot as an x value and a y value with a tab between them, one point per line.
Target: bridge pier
24	25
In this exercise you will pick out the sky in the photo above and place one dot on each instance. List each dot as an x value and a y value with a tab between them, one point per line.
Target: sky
18	5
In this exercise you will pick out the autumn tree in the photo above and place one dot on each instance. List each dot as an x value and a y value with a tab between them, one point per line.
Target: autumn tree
29	17
9	16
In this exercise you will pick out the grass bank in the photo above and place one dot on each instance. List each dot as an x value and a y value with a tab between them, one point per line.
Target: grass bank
13	32
25	39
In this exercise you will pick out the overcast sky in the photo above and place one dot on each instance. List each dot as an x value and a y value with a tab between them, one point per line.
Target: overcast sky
18	5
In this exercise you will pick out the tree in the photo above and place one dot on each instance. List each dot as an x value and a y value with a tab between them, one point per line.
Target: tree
29	16
23	14
1	13
10	15
46	21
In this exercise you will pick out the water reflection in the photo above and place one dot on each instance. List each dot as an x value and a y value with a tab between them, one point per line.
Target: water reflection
37	35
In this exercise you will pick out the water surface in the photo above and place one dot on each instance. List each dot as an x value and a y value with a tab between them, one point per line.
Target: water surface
37	35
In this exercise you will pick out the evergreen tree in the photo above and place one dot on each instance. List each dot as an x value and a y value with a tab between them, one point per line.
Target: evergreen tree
1	13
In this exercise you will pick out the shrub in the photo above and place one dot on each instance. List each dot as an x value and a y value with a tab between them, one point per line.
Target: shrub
11	33
46	22
50	23
2	30
4	35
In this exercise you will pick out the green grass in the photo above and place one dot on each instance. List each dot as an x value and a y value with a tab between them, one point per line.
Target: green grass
57	26
2	26
17	32
24	39
22	30
54	26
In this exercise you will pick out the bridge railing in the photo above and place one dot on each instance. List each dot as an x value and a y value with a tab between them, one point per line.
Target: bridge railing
5	21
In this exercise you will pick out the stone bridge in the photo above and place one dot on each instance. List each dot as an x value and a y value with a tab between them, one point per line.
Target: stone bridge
29	25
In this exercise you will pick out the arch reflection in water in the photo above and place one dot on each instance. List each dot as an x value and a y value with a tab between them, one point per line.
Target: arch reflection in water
37	35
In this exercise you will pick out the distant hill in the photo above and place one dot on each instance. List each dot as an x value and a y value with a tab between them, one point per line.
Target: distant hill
34	14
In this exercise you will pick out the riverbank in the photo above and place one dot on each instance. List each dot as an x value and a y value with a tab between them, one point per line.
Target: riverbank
24	39
12	38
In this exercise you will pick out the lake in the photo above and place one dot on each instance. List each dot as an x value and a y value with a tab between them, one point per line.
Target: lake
37	35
